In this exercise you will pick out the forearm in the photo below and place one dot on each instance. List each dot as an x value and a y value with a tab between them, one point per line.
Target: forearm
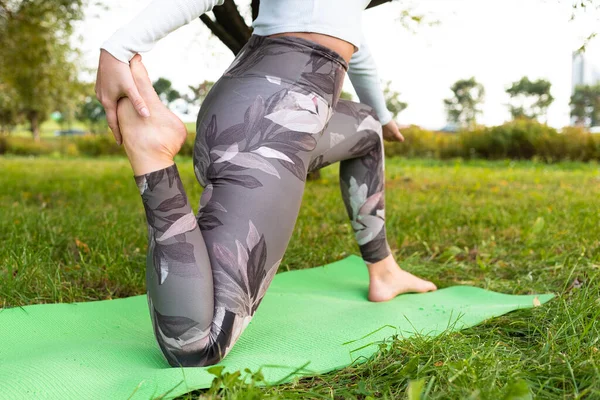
156	21
366	82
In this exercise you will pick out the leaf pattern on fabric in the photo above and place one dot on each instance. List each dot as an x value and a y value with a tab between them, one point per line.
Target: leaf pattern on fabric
168	222
274	131
177	259
174	326
335	138
173	203
299	112
255	50
207	220
242	279
186	223
366	221
141	183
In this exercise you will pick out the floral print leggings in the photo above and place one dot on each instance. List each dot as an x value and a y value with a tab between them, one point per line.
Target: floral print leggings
272	117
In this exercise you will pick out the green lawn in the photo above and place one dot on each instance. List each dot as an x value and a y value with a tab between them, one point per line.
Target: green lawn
74	230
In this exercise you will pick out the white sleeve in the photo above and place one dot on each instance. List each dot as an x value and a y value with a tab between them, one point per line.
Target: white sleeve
362	72
156	21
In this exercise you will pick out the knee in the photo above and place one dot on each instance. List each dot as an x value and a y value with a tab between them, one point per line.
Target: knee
204	357
189	350
196	354
372	124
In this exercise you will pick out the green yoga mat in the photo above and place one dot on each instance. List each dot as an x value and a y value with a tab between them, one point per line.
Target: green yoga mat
106	349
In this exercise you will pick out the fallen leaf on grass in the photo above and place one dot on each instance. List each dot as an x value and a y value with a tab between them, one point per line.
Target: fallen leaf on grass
82	246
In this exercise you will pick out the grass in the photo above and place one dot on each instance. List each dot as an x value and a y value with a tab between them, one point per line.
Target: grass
74	230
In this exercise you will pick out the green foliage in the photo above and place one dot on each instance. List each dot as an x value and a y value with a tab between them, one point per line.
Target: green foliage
529	99
36	58
165	91
98	145
346	96
89	145
90	111
9	112
392	100
463	107
74	230
585	105
519	139
199	92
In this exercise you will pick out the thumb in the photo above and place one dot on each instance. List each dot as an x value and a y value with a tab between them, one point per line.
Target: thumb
142	79
138	102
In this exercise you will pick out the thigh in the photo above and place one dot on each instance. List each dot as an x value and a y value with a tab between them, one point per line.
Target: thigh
252	150
353	131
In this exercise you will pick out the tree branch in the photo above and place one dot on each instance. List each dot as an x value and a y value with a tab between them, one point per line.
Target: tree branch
222	34
375	3
228	16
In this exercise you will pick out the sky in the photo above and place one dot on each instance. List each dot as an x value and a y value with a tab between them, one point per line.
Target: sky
496	41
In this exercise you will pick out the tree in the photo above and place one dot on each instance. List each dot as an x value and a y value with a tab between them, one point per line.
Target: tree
530	99
585	105
590	9
199	92
392	100
165	91
9	115
36	59
91	111
463	108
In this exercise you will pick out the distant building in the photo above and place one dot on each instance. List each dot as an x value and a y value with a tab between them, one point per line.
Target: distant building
586	70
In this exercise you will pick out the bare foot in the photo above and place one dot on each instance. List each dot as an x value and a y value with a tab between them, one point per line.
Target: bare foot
150	143
387	280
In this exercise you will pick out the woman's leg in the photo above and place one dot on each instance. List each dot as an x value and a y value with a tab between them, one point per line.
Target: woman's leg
207	275
353	137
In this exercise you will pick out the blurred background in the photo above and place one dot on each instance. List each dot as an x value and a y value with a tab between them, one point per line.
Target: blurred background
464	78
496	185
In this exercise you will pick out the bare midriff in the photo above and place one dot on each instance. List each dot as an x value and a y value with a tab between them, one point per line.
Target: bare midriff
343	48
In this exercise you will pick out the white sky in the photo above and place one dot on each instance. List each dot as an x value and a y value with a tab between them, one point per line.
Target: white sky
497	41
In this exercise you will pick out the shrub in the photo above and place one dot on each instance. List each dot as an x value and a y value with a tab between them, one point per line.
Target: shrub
520	139
187	149
27	146
98	145
3	144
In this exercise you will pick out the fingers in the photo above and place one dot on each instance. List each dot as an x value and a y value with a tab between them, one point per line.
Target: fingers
138	102
400	137
113	123
141	79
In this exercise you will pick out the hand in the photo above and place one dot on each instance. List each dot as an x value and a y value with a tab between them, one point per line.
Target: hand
150	143
391	133
113	81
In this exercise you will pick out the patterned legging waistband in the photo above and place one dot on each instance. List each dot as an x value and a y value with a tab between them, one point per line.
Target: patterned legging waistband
307	64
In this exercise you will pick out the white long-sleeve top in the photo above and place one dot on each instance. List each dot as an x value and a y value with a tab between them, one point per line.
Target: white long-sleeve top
338	18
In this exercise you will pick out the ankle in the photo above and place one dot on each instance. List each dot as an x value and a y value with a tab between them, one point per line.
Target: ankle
383	268
143	165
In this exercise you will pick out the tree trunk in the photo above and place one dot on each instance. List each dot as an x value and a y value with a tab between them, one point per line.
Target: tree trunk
34	123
